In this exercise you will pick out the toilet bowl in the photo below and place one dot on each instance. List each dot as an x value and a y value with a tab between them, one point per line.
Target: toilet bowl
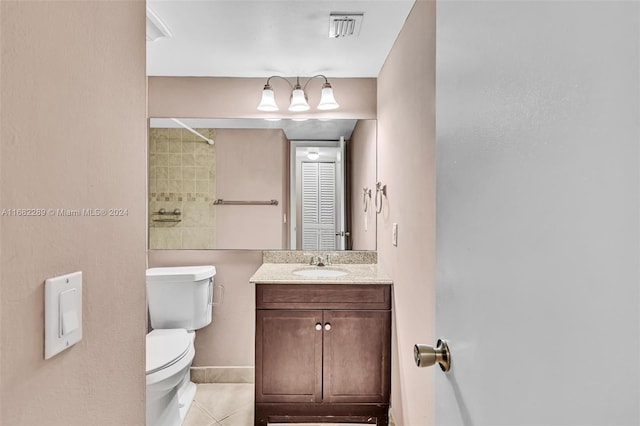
170	353
180	301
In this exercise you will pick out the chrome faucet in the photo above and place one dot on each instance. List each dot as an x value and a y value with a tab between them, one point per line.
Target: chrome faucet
320	260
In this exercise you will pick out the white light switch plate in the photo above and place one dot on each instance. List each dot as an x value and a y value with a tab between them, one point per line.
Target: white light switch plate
62	313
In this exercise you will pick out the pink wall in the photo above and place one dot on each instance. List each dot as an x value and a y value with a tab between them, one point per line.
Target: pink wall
251	164
406	148
220	97
362	150
73	135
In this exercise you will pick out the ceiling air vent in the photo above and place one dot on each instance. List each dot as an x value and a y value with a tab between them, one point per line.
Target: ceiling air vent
345	24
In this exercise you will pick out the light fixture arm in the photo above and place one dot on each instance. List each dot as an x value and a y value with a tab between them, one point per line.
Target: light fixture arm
326	81
315	76
282	78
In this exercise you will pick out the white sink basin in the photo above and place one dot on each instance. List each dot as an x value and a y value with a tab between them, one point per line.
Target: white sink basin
320	272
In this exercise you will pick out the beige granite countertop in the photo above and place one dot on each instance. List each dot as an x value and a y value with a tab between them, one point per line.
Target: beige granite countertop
298	256
282	273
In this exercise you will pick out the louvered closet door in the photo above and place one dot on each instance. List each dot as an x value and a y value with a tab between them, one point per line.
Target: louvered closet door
318	206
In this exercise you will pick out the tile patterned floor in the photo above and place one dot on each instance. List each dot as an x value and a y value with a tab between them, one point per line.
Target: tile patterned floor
226	404
221	404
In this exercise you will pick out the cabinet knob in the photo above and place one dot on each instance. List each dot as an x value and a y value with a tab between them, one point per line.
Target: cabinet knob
318	326
327	326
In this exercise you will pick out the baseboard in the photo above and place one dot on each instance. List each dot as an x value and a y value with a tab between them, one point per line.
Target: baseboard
222	374
392	421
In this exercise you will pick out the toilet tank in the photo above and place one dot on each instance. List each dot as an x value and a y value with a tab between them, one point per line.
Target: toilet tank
180	297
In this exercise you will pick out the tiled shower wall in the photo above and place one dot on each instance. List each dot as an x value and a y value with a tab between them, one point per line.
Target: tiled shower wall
182	175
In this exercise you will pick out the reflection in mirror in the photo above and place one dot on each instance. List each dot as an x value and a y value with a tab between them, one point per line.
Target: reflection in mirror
235	184
318	193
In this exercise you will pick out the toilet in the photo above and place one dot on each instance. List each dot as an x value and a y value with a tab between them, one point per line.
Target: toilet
180	301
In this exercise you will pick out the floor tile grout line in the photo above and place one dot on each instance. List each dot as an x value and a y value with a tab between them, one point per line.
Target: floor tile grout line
234	410
205	412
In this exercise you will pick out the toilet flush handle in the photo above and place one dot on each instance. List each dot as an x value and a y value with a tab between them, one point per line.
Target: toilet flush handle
220	295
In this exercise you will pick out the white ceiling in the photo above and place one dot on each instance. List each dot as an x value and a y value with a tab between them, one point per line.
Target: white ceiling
244	38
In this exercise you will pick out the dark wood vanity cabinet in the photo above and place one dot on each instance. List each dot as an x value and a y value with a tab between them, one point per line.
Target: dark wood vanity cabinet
323	353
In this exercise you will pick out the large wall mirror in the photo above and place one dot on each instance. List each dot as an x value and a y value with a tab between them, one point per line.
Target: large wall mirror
255	184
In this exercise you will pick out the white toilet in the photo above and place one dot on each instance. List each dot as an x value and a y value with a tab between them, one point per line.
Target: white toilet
180	301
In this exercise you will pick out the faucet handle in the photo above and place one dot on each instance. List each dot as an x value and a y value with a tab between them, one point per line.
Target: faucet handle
327	259
313	261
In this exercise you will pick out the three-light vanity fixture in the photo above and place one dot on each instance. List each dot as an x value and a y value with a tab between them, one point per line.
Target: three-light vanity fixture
298	98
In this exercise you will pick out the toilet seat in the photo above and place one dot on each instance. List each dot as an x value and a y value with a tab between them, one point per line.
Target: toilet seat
165	348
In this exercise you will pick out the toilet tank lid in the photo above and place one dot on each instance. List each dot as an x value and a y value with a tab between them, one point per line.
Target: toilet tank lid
180	273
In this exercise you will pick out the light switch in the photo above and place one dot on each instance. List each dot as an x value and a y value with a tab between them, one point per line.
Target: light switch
68	312
62	313
394	234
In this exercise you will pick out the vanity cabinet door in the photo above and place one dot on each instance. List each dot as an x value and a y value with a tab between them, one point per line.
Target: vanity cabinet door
357	356
288	356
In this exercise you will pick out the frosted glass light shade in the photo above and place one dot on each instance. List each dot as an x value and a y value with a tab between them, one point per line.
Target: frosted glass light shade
327	101
298	101
268	101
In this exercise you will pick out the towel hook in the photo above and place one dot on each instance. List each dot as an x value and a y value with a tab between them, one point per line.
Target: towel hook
382	191
366	198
